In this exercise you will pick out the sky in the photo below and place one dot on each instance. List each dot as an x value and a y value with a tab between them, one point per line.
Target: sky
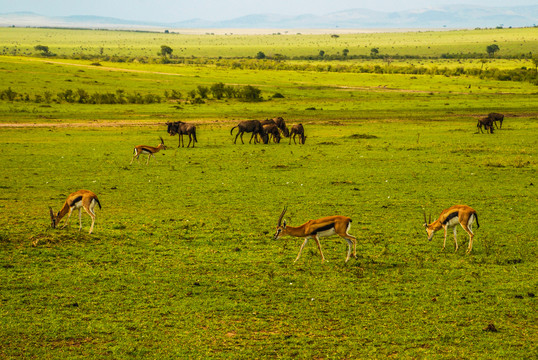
179	10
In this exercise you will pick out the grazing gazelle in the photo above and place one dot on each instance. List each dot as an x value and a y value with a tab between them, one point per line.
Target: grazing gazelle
450	218
77	200
149	150
315	229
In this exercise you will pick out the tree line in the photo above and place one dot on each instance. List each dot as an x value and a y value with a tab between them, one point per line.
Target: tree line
217	91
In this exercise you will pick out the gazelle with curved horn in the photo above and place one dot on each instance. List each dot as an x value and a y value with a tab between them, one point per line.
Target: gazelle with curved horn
450	218
77	200
149	150
315	229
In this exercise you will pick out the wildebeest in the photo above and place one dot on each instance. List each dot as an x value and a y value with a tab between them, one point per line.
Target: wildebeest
280	124
272	130
487	123
252	126
268	122
496	117
297	130
279	121
181	128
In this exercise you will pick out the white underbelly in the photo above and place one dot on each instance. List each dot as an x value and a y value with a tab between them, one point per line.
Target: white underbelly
77	205
453	222
326	233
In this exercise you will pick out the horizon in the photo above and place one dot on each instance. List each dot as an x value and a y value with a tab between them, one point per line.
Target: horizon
169	11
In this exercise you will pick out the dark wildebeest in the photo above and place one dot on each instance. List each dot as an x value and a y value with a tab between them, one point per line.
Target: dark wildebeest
268	122
297	130
496	117
252	126
487	123
181	128
272	130
279	121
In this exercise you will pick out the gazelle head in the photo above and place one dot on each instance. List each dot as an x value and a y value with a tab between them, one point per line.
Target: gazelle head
161	145
430	229
53	218
281	227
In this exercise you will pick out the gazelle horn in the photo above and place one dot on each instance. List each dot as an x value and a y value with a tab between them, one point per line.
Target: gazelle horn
282	215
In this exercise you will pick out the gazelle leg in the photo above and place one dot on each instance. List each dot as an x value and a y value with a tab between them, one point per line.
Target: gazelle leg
349	244
455	239
301	249
132	160
444	242
67	219
92	215
79	219
351	241
471	236
319	247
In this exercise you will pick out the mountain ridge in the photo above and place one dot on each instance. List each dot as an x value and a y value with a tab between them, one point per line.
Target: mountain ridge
450	16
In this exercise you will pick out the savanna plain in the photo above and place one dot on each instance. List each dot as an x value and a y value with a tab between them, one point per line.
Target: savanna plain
182	261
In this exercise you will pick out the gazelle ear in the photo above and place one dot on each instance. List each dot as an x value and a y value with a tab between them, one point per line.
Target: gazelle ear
284	224
51	213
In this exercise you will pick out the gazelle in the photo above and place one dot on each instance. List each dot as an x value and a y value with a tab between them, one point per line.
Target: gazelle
450	218
145	149
315	229
77	200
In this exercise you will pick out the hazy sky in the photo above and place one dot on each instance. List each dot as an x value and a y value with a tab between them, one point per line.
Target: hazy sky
177	10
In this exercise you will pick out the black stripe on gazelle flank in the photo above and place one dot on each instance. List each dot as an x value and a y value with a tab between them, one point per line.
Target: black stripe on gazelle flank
76	200
323	228
450	217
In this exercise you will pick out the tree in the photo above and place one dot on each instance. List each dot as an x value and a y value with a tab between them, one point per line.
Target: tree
374	52
44	49
166	50
345	52
321	53
250	93
260	55
217	90
203	91
492	49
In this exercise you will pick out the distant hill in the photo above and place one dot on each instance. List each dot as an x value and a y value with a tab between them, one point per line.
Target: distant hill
452	16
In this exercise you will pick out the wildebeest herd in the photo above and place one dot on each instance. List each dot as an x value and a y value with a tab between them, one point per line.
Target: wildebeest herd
271	130
490	120
268	129
264	131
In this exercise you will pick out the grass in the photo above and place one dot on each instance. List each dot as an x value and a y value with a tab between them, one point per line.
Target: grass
342	96
182	263
22	41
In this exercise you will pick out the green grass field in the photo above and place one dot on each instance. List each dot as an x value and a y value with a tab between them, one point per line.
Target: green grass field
135	44
182	263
